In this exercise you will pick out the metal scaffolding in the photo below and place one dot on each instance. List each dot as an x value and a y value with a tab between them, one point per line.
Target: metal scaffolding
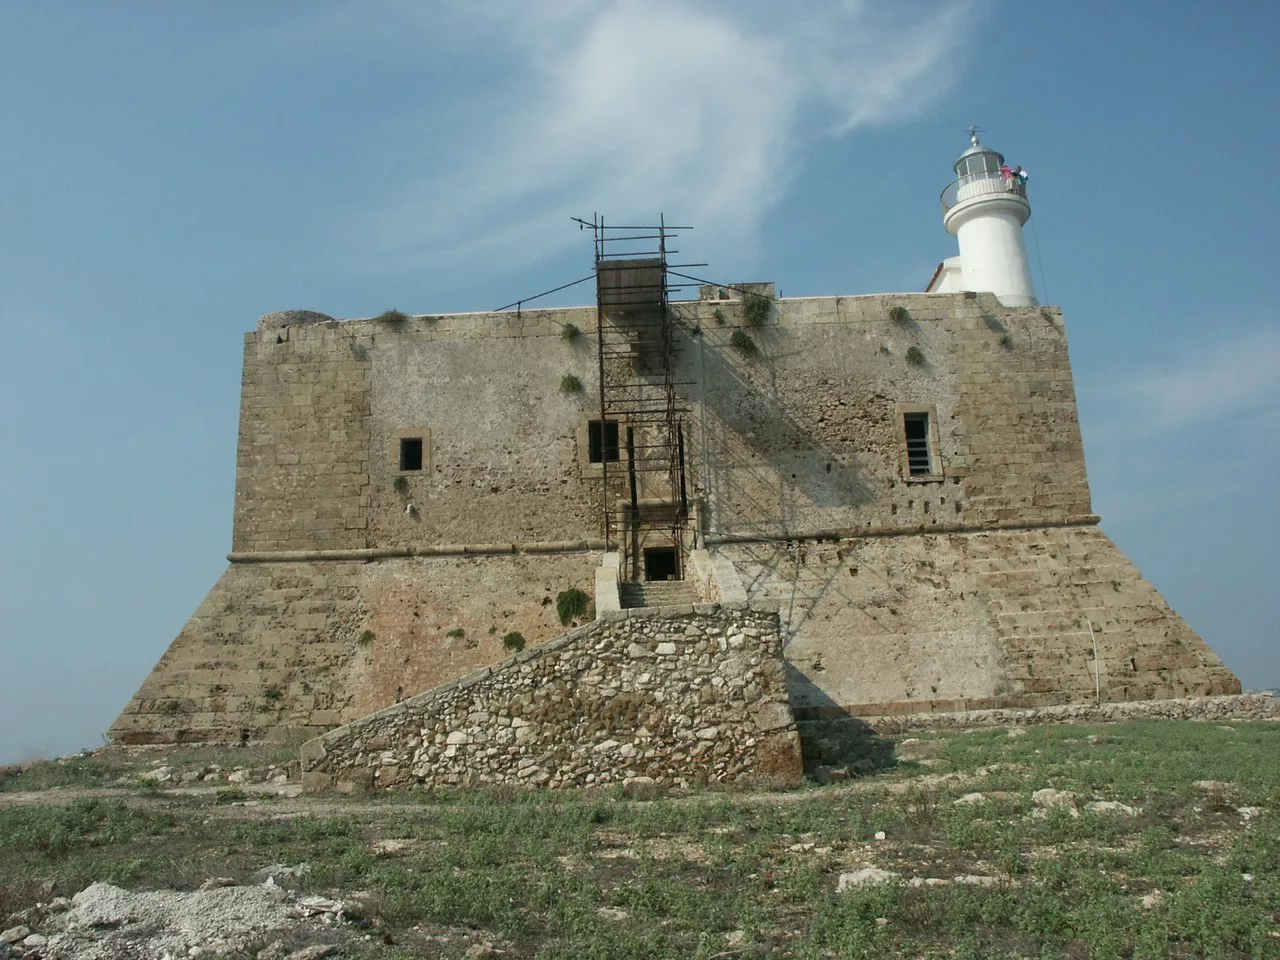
641	427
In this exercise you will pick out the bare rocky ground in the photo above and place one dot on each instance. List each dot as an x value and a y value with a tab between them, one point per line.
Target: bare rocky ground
1153	838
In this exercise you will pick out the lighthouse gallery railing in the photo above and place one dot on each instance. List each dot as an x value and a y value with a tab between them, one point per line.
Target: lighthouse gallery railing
984	184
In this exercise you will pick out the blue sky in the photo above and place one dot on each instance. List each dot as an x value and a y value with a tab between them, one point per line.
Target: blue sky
169	172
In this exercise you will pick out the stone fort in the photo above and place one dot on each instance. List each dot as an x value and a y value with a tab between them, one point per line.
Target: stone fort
895	483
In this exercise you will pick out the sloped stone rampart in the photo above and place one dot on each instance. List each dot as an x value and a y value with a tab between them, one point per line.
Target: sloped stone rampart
676	695
1246	706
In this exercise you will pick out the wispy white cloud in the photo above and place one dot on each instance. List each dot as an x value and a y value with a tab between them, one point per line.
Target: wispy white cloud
690	106
1201	425
1234	373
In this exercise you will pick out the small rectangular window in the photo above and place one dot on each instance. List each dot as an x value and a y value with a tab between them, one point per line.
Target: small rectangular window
919	461
602	440
410	453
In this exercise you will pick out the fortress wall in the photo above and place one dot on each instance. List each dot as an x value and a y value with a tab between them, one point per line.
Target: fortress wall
807	436
302	460
275	649
965	621
507	458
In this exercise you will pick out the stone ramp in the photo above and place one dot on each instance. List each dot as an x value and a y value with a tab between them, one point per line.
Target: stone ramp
638	696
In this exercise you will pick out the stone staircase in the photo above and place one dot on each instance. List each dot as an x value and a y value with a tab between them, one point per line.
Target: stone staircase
657	593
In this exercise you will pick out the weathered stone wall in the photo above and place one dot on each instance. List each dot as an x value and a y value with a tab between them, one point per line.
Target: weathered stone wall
964	587
806	436
674	695
289	649
912	624
302	463
1249	707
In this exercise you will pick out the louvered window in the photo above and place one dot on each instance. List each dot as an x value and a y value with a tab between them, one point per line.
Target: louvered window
919	461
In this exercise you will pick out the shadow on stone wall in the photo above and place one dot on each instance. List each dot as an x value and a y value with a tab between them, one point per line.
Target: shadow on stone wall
833	744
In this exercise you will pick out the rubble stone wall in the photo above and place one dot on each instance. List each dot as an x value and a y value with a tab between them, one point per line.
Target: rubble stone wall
675	695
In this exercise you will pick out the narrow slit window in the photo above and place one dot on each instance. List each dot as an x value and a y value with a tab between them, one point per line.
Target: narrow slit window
602	440
410	453
919	459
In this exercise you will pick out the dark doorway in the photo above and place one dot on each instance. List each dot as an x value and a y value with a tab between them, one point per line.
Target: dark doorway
660	563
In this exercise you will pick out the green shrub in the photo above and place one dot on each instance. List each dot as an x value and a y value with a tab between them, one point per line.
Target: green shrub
273	694
899	314
513	641
457	633
756	310
391	316
366	638
718	314
1006	341
570	384
400	484
570	332
571	604
742	342
915	356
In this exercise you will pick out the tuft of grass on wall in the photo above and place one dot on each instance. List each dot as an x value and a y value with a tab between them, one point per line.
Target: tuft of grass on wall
570	384
391	316
899	314
743	343
756	310
513	641
457	633
915	356
569	332
1006	341
366	638
718	315
571	604
400	484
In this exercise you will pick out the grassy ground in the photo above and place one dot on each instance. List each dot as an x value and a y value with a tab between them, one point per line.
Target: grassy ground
736	874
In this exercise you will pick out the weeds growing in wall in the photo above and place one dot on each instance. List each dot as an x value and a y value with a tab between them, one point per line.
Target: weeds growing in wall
400	485
569	332
742	342
513	641
457	633
391	316
571	604
1006	341
915	356
756	310
899	314
718	315
570	384
366	638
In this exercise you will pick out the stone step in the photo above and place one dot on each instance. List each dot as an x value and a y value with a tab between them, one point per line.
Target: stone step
657	593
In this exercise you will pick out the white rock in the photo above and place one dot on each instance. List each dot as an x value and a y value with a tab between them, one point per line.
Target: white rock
708	733
1017	732
880	834
970	799
928	882
1151	900
1048	797
976	880
866	877
15	934
1110	806
612	913
666	649
458	736
159	775
605	746
1249	813
392	846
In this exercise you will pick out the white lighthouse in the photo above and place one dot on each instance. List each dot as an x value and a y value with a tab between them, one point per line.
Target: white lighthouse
985	208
